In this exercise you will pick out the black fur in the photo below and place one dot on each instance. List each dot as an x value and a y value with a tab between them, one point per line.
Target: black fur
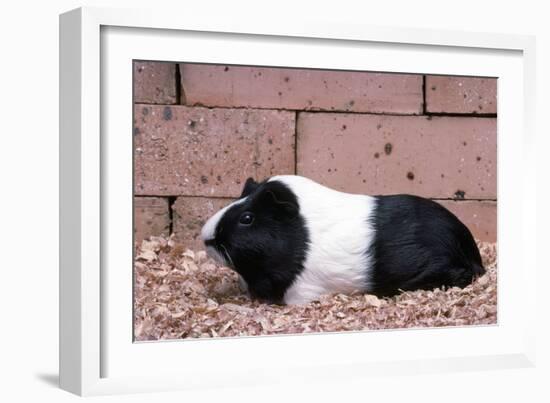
270	252
249	186
418	244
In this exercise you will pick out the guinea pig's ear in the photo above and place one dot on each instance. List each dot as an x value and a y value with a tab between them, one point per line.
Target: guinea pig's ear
249	187
280	201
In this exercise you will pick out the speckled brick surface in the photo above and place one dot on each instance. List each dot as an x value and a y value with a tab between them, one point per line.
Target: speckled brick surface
151	217
209	152
155	83
479	216
190	214
461	95
358	132
283	88
439	157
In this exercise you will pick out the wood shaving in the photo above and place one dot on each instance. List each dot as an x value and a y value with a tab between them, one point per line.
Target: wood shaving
180	293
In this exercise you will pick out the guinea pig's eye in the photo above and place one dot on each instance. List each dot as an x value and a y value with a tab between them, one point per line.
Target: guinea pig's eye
246	218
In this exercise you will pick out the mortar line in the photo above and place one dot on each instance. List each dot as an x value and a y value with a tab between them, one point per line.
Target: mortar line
460	200
178	85
174	197
171	201
427	115
296	116
424	106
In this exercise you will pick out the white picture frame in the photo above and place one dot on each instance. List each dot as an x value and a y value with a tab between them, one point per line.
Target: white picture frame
96	354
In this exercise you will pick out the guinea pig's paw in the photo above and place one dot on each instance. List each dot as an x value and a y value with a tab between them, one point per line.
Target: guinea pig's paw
243	286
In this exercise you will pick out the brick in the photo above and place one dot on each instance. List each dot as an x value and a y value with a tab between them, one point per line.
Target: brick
461	95
479	216
151	217
284	88
155	82
195	151
439	157
190	214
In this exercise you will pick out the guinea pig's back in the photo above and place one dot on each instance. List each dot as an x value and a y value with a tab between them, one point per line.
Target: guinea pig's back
378	244
340	234
419	244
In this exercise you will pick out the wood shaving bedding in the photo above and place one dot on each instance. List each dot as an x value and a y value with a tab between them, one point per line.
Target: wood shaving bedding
180	293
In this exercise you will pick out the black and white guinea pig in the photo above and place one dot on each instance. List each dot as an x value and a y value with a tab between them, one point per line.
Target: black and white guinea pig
293	240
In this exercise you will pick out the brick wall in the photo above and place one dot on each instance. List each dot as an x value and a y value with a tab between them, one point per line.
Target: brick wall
201	130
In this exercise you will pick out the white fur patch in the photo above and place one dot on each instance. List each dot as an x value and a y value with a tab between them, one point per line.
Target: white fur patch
208	230
340	234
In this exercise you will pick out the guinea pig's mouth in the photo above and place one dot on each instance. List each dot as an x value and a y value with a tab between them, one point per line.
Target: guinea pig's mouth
210	242
218	252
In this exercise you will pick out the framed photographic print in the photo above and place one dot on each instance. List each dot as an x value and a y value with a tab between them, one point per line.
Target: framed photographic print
242	202
199	129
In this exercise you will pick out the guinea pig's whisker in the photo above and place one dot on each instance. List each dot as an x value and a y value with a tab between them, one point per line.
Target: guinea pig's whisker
226	253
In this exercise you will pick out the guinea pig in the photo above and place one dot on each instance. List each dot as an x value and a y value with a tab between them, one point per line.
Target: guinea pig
292	240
